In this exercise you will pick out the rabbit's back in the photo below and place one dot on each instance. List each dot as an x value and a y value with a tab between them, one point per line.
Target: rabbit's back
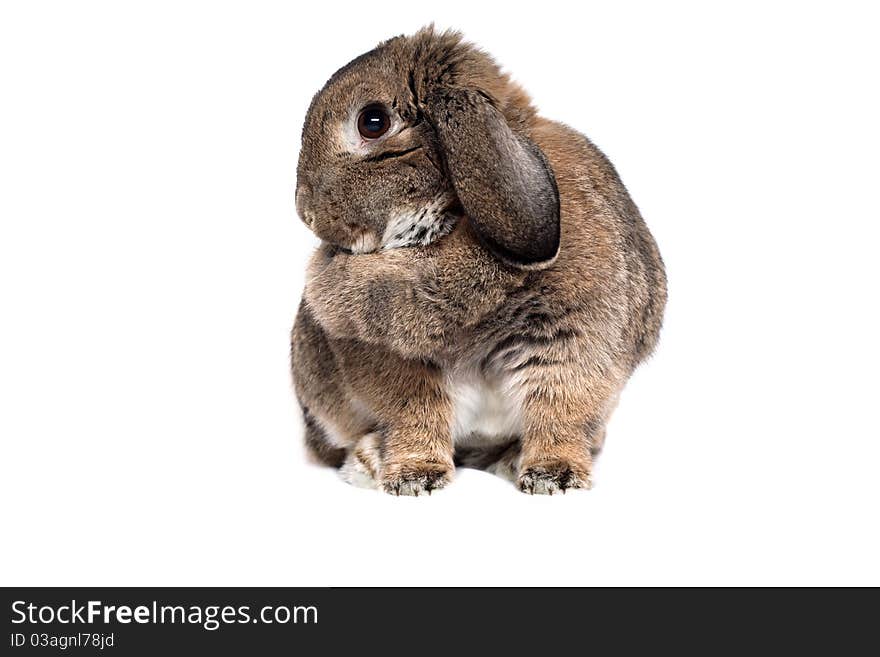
609	264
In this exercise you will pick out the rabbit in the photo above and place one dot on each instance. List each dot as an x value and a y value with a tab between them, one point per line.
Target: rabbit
484	286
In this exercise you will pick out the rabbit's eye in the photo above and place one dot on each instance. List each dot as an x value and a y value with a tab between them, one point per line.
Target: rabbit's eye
373	122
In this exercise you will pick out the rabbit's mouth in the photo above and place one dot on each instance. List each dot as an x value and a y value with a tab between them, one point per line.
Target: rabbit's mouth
416	228
364	242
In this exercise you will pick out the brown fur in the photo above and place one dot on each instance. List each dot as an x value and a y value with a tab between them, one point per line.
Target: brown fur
559	294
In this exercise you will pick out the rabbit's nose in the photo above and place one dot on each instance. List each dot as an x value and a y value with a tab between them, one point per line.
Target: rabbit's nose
303	197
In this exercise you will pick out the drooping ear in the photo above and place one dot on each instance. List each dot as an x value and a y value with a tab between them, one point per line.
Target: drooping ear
502	179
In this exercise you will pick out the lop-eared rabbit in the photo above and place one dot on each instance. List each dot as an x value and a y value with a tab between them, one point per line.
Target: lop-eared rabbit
484	287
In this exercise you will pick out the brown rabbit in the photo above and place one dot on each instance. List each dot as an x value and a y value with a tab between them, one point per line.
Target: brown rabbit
484	288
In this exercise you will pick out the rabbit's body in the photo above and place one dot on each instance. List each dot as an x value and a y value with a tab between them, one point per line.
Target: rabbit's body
479	346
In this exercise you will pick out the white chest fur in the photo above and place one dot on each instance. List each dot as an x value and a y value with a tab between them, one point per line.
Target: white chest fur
485	411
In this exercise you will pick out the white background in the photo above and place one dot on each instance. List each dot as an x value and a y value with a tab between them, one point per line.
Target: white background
151	264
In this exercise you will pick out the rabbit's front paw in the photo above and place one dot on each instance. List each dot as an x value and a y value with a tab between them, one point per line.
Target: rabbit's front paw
416	478
553	477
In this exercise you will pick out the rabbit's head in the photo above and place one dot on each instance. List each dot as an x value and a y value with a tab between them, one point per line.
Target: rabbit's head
409	138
